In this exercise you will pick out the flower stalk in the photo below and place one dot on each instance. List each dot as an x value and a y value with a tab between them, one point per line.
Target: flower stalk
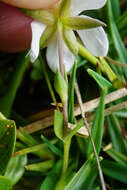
60	52
61	183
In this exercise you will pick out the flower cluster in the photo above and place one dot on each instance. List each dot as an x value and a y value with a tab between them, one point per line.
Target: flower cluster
65	17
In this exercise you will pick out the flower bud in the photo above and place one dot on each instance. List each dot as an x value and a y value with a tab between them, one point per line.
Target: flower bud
61	86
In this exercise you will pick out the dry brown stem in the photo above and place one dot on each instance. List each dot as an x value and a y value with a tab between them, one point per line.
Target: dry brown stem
89	106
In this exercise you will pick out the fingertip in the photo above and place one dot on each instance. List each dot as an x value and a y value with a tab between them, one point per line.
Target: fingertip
15	29
31	4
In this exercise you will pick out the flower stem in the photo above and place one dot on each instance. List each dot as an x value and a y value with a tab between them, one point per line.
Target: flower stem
61	183
60	52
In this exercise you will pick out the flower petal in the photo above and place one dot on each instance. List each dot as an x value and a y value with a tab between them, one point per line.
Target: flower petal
77	6
95	40
37	30
53	56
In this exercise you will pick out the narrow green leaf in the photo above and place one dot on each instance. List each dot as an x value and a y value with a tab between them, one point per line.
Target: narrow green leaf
119	46
33	145
121	114
117	156
5	183
116	9
51	146
25	137
16	168
58	124
115	170
51	180
97	126
102	82
119	144
85	177
41	166
122	21
7	142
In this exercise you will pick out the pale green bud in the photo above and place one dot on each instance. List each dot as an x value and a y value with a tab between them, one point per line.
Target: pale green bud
61	86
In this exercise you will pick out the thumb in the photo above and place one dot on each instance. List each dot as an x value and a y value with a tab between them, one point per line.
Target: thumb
15	30
31	4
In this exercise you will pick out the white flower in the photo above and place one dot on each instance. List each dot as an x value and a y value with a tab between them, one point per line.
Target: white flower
90	31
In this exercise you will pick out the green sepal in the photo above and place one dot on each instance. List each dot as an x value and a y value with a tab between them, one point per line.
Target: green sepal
47	35
43	16
64	7
70	40
81	22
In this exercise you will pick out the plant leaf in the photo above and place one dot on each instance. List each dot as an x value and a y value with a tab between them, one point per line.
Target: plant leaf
119	46
58	124
51	146
117	156
116	9
85	177
52	179
102	82
7	142
97	126
119	144
115	170
16	168
5	183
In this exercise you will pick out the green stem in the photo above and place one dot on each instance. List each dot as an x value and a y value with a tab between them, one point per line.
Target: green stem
85	53
47	79
61	183
7	100
60	52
